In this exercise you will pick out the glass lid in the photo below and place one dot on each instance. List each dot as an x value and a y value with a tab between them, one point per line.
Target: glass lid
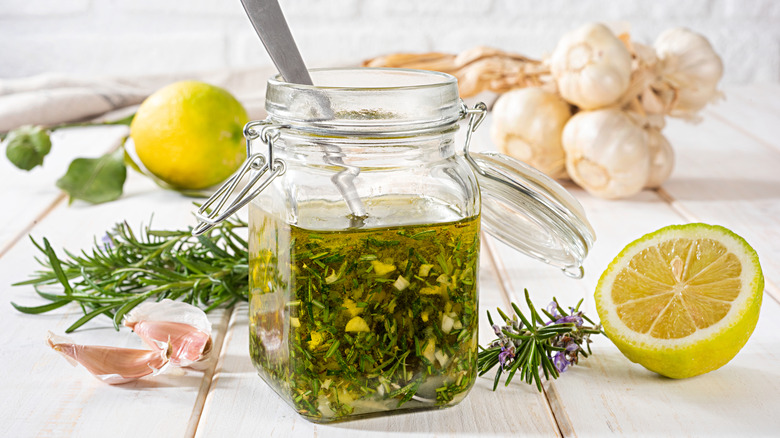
532	213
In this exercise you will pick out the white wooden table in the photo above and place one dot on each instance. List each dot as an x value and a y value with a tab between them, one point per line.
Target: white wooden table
728	173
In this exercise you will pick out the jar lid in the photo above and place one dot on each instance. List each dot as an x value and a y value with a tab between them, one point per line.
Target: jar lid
532	213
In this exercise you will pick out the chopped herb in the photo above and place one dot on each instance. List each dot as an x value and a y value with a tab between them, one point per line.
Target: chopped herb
370	325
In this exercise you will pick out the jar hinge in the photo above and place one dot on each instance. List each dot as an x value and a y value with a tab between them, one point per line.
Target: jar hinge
256	165
476	116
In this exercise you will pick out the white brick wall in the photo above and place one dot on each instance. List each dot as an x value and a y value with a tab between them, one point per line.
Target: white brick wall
114	37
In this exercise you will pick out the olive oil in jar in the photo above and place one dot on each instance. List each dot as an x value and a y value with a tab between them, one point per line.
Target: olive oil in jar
363	320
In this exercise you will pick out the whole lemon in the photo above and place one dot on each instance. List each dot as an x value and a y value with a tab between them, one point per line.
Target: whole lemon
190	134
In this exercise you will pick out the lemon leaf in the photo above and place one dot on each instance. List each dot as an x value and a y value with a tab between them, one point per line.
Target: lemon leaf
26	146
95	180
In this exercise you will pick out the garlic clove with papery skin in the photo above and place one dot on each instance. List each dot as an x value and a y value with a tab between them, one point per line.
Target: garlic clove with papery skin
184	326
692	68
661	158
591	66
527	125
188	344
113	365
606	153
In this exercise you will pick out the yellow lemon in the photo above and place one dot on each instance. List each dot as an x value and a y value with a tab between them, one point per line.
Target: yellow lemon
190	134
683	300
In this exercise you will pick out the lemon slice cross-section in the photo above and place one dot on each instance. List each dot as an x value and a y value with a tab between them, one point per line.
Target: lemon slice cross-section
683	300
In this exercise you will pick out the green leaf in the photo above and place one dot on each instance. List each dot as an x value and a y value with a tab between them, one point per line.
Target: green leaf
40	309
26	146
56	267
123	121
95	180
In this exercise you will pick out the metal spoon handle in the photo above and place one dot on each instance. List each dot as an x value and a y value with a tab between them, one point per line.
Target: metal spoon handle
269	23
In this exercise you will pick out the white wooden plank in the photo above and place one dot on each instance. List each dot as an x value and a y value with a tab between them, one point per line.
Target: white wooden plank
606	393
43	394
765	96
242	403
726	178
27	195
754	112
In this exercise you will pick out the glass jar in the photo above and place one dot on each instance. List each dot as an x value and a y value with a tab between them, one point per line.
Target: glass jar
364	239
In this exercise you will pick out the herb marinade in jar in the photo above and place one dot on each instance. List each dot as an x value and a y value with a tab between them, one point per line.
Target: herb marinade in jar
365	217
375	319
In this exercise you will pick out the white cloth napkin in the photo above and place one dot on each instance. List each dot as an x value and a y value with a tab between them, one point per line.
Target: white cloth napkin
50	99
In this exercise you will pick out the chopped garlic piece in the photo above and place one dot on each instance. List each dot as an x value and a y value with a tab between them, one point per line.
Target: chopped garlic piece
316	340
382	268
446	324
357	324
352	308
332	278
425	270
430	350
441	357
430	290
401	283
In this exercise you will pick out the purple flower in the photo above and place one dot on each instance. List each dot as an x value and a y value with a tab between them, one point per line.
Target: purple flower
497	329
560	361
108	242
506	354
572	347
575	318
552	309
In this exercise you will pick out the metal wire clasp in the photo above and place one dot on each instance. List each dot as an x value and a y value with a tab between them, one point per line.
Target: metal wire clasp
476	116
256	165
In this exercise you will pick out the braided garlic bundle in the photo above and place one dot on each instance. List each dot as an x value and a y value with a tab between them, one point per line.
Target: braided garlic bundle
619	92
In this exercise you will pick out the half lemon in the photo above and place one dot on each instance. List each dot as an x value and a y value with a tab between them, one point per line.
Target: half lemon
683	300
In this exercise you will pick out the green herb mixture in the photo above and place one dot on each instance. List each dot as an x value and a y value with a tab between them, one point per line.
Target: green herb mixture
351	322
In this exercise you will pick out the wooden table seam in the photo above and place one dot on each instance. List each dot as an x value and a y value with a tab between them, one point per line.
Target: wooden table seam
504	284
29	227
726	121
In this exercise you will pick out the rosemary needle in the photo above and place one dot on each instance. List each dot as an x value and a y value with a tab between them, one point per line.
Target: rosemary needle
124	269
534	347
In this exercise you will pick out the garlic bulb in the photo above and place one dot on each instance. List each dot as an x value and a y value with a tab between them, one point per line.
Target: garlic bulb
691	66
591	66
661	158
527	125
606	153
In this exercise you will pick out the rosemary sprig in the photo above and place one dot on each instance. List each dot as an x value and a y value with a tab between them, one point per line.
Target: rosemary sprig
125	269
535	347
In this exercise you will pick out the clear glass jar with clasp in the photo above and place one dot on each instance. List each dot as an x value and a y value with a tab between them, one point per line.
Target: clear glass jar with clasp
365	219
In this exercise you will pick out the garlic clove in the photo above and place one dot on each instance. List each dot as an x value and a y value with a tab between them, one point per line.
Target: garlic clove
188	344
591	66
183	325
606	153
661	158
112	365
172	311
527	125
691	67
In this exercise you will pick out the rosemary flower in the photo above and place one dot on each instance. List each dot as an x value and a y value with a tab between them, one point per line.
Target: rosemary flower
535	346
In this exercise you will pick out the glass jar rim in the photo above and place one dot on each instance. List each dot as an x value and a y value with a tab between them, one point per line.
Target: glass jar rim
446	79
360	100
